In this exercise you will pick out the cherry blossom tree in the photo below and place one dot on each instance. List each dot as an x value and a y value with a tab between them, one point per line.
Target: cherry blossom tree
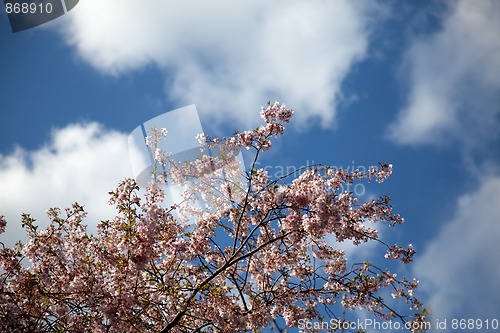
239	253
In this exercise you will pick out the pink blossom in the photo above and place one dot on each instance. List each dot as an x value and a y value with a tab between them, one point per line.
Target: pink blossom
3	224
259	248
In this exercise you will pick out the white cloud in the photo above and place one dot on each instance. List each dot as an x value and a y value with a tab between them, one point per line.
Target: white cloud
82	162
453	97
453	79
460	269
230	57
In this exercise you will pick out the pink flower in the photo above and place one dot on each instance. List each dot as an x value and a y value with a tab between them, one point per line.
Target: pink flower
258	248
3	224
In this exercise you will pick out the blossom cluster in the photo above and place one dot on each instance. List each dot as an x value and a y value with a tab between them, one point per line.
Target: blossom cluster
260	248
275	115
3	224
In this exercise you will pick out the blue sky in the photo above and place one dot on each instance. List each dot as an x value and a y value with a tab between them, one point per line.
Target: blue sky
414	84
